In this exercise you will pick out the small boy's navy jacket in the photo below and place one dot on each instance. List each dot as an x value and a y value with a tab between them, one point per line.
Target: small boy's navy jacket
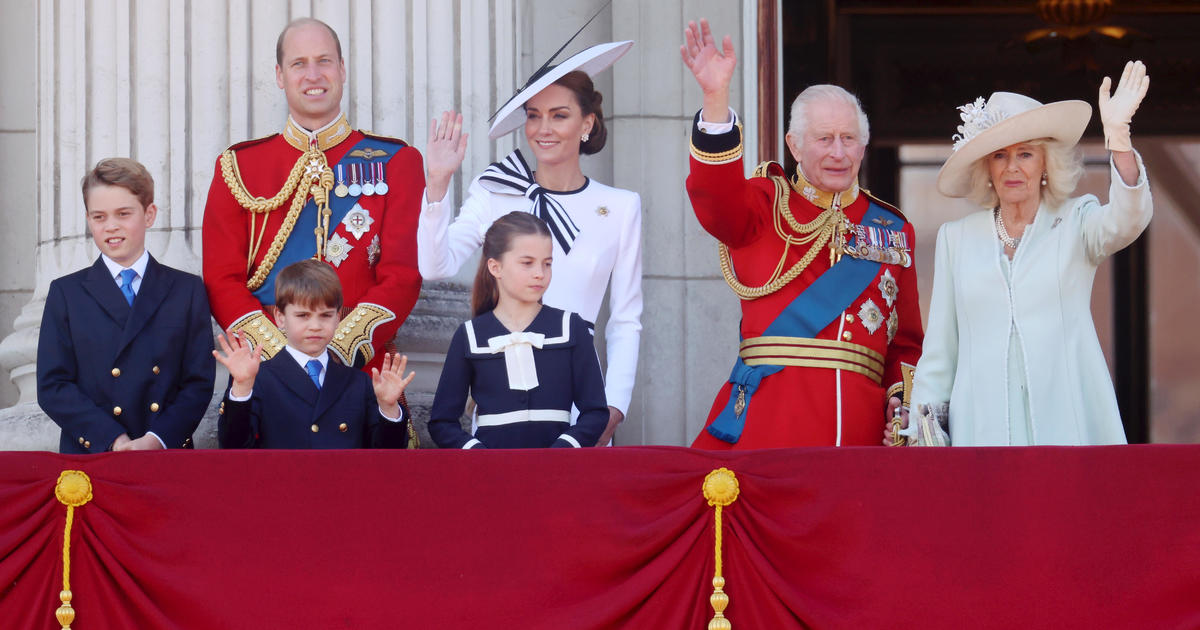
568	372
286	410
105	368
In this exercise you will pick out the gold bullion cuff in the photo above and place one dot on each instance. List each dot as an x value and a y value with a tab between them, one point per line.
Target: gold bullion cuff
261	331
354	333
716	148
896	390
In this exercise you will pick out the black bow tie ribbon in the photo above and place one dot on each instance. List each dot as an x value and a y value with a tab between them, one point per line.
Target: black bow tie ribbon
512	176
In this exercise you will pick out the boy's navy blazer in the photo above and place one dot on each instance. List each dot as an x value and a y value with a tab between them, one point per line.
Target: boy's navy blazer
286	410
105	368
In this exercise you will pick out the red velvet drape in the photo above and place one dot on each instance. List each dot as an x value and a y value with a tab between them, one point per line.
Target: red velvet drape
609	538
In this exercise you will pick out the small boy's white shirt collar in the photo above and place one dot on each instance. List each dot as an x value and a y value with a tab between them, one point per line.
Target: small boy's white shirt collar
303	359
138	266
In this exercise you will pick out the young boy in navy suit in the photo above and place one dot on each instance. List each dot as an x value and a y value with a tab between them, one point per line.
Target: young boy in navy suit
301	398
124	357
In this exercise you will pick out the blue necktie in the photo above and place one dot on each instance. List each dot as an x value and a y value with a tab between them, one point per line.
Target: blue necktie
314	372
127	276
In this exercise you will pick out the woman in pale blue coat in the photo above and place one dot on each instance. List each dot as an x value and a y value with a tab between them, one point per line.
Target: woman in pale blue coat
1011	355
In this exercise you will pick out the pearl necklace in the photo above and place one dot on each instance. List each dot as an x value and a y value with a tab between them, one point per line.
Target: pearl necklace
1002	232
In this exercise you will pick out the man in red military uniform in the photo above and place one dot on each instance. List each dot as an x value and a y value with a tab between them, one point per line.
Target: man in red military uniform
317	190
829	294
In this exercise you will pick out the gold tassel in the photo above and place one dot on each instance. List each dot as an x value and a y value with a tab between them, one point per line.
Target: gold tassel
720	489
74	489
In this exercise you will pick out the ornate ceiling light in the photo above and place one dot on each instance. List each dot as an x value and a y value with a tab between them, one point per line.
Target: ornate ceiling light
1074	19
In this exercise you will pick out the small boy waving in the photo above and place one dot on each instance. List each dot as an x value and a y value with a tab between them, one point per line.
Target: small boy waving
300	399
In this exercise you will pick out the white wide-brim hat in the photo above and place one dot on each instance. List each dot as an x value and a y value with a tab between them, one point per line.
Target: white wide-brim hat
592	60
1007	119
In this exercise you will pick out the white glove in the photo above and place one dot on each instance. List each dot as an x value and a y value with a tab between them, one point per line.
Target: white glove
1116	111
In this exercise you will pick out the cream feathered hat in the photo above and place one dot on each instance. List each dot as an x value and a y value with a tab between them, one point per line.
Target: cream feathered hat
1006	119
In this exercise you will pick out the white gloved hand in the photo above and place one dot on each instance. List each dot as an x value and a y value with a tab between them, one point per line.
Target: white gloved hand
1116	111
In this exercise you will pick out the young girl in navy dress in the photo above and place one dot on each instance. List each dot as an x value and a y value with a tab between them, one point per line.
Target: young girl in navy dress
524	363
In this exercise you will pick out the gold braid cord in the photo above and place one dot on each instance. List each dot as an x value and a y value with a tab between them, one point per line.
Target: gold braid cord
311	174
817	233
74	489
720	490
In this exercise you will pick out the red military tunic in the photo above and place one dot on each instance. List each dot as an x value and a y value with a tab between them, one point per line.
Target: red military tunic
375	255
803	405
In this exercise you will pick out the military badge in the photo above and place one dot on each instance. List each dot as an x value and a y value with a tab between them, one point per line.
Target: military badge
337	249
888	287
368	153
870	316
893	324
381	187
373	251
355	188
341	189
358	221
368	184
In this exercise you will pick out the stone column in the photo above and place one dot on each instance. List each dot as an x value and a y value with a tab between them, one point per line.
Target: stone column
690	335
18	178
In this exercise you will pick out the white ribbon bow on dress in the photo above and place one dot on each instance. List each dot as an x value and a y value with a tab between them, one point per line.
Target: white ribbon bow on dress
518	357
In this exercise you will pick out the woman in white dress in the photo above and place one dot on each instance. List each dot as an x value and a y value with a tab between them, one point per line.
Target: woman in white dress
1011	355
597	229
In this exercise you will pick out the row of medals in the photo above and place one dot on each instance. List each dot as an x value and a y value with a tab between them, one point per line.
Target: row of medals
891	248
375	184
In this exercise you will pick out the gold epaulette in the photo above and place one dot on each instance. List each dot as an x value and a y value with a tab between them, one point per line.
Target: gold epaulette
354	333
251	142
261	331
769	169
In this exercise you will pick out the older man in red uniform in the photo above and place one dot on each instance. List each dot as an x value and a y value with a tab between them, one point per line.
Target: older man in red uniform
317	190
829	295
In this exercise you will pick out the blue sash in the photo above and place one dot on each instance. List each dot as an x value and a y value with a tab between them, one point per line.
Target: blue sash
301	244
814	309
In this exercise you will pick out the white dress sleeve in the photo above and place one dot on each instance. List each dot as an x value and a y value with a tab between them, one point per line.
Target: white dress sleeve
624	330
1110	228
934	378
442	246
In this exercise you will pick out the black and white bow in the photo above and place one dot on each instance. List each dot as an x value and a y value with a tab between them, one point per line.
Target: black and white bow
512	176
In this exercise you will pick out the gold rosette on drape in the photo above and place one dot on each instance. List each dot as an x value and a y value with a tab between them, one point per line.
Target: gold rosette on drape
74	489
720	490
